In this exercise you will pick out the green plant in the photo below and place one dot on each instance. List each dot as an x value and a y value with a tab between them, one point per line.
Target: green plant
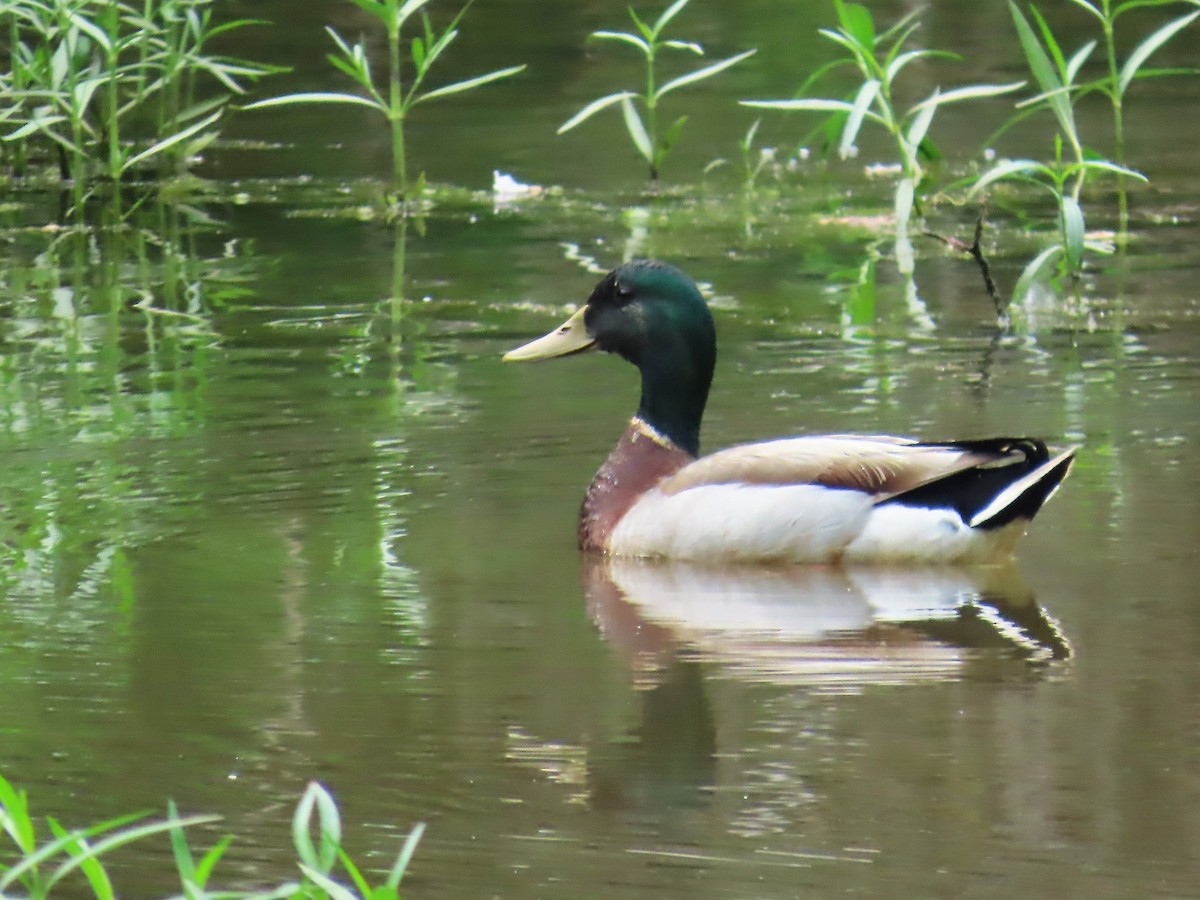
753	159
1068	250
644	128
1057	75
111	85
317	861
880	59
41	866
395	100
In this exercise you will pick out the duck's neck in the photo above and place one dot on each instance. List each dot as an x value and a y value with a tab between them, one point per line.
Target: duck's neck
642	458
674	392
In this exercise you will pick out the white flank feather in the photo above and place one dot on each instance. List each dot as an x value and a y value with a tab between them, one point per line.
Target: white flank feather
896	533
739	522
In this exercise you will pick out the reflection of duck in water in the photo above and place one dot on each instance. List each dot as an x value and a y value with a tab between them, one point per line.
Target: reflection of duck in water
824	627
811	499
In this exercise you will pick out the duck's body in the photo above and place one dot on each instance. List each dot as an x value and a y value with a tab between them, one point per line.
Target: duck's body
826	499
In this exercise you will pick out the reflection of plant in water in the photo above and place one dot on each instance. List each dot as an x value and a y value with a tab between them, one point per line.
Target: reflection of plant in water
107	339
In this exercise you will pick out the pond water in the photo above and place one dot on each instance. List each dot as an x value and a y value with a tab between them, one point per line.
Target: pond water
261	524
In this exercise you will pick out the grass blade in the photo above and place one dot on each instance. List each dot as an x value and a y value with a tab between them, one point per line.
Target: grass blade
315	97
1073	231
1035	271
1044	72
592	108
1148	46
459	86
668	14
968	92
406	853
624	36
169	142
862	102
1006	169
119	839
328	885
702	73
637	131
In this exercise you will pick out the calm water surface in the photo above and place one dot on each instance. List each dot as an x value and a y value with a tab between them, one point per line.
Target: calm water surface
291	531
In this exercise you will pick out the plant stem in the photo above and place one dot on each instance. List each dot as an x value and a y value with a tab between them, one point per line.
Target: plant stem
1114	95
651	113
396	101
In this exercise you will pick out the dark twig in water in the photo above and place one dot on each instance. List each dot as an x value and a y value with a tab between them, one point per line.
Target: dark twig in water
975	251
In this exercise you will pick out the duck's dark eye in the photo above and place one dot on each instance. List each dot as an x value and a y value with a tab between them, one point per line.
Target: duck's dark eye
624	293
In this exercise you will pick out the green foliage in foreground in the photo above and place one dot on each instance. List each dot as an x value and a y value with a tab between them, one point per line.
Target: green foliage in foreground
71	857
643	128
395	98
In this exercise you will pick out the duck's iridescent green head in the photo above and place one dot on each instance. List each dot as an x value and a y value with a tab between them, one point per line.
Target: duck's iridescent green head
651	314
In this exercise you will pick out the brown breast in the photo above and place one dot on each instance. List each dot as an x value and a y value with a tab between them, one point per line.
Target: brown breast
641	459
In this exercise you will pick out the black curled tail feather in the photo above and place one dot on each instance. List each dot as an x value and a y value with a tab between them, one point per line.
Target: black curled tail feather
1013	485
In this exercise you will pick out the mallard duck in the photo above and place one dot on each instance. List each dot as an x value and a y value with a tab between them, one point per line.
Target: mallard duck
819	499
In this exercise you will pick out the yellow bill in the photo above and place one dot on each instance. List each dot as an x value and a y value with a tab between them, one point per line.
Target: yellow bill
569	337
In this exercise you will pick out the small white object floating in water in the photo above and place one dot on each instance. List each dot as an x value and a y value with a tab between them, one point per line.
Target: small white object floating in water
506	189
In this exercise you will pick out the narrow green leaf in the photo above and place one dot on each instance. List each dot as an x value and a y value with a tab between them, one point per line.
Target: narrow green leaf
327	884
417	50
459	86
904	24
668	14
373	7
700	74
406	853
905	192
641	26
670	138
1035	272
211	858
364	889
856	21
1086	4
119	839
690	46
1073	231
405	11
968	92
1147	47
330	825
592	108
302	827
184	862
809	104
91	30
921	122
622	36
896	65
316	97
92	869
858	111
169	142
637	131
1075	63
1007	168
1050	41
1105	166
1043	71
